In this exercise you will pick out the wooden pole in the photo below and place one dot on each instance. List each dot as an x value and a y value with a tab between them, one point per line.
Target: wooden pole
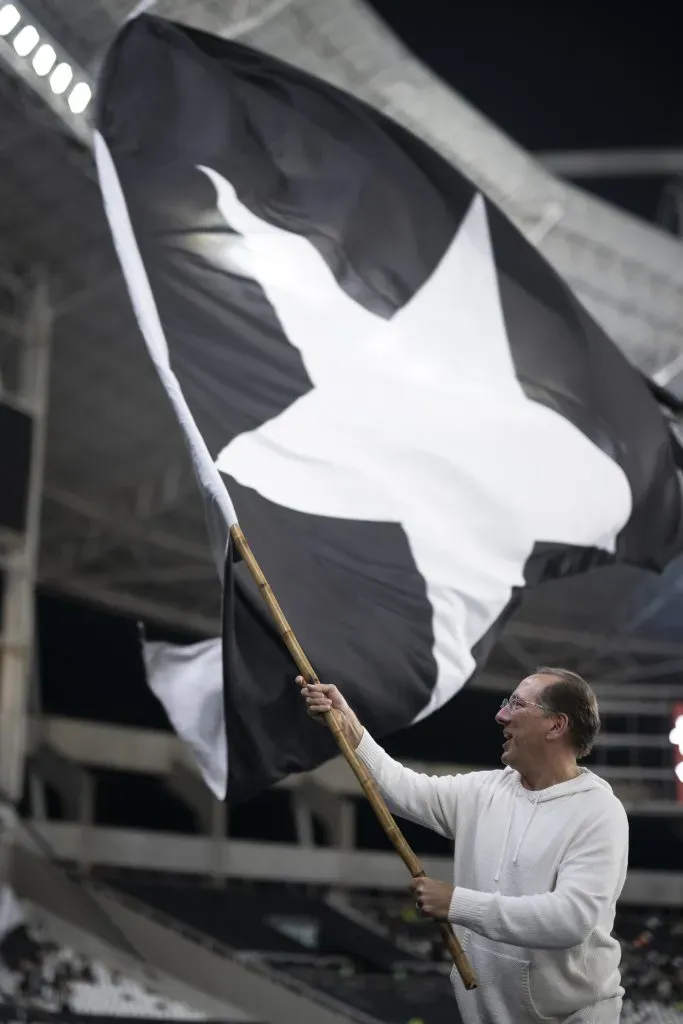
332	720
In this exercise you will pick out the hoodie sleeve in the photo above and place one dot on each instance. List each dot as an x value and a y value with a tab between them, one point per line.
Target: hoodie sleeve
589	878
429	800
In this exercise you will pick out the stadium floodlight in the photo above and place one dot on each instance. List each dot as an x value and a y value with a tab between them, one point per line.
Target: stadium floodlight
79	97
44	60
9	19
61	77
35	56
26	40
676	737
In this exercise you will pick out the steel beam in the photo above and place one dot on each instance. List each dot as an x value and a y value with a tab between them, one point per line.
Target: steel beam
585	639
151	610
18	611
138	530
286	862
613	693
152	752
615	163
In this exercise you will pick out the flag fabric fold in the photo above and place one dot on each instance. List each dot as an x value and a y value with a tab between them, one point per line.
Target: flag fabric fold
408	410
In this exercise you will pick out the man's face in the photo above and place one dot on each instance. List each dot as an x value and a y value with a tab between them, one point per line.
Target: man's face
525	725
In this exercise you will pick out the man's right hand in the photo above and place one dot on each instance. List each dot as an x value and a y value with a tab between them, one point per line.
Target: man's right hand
323	697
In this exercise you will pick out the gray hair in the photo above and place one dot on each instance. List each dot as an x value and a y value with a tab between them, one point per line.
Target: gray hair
569	694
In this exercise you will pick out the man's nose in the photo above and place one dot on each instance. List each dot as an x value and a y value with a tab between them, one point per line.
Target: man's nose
503	716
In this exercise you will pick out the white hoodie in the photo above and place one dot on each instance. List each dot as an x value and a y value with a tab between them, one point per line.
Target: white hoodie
537	875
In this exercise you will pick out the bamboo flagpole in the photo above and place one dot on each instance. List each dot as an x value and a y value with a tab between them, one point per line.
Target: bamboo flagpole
332	720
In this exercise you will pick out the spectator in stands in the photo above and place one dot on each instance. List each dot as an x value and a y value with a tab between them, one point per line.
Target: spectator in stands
541	850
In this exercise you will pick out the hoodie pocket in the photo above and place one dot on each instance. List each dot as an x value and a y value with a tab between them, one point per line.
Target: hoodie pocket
503	992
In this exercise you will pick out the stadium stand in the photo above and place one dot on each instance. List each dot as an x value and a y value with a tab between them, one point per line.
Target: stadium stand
38	974
374	952
43	979
652	959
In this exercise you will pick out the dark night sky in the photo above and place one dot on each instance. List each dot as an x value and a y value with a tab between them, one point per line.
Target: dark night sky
560	76
553	77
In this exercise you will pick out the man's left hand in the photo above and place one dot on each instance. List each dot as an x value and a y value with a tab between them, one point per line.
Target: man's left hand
432	898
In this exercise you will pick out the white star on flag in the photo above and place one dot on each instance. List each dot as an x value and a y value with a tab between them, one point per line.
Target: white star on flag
420	420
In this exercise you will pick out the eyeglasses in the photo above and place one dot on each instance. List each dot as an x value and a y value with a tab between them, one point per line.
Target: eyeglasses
515	703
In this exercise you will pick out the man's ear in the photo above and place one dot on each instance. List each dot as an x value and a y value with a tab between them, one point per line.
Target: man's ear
559	727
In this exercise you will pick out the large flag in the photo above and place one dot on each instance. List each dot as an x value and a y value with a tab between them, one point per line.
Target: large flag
408	410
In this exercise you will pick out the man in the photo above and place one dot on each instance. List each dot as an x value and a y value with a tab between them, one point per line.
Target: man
541	851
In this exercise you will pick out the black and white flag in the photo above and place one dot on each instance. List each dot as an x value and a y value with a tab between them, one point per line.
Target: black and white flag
407	408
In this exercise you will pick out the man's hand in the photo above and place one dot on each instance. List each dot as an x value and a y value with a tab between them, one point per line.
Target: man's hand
322	697
432	898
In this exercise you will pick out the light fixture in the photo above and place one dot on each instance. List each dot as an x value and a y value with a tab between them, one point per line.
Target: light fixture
679	771
69	85
44	60
80	97
26	40
676	734
9	19
60	79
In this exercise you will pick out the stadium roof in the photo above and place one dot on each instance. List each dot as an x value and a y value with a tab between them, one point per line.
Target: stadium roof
122	522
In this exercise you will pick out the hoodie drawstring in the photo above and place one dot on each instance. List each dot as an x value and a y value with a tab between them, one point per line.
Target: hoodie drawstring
504	847
526	828
503	850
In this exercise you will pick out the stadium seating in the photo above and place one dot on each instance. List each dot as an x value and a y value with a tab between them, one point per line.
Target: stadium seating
374	952
40	974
